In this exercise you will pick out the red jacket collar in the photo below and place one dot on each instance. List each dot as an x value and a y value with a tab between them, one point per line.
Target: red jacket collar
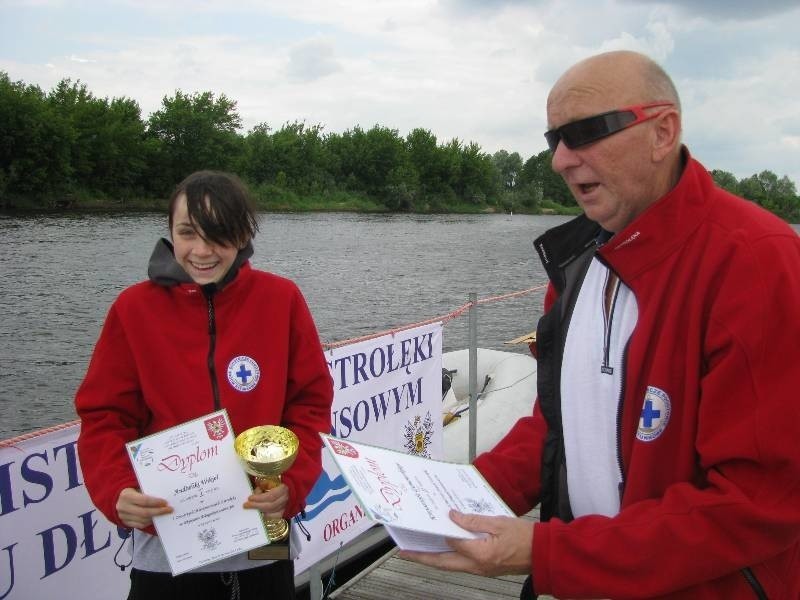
664	226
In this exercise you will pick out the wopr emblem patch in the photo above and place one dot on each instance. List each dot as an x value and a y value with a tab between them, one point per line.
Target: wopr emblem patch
655	414
243	373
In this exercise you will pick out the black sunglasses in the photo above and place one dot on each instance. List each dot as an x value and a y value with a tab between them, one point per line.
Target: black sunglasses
588	130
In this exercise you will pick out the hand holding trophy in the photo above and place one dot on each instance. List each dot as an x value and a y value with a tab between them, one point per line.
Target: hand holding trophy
265	452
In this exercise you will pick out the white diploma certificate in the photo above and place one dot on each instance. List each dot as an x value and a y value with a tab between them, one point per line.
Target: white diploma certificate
412	495
194	467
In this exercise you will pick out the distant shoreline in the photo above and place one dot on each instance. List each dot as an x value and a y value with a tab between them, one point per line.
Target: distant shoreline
342	203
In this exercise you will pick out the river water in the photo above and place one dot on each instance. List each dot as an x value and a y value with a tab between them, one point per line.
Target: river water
360	274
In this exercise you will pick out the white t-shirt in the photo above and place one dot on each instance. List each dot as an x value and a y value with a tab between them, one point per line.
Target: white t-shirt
591	390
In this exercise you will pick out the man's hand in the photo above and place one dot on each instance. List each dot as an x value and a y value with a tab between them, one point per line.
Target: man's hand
137	510
271	502
505	550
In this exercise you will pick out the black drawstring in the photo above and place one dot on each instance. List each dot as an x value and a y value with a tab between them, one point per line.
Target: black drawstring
232	580
297	519
128	534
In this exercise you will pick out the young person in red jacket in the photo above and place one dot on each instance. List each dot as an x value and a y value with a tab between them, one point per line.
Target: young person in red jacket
172	349
663	446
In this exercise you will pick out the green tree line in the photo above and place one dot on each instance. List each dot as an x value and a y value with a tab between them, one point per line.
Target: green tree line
66	147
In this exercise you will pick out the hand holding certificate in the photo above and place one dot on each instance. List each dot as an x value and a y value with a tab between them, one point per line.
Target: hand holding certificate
412	495
195	468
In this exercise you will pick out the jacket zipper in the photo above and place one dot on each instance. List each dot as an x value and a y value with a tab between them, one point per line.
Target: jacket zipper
212	343
751	579
608	321
620	465
605	368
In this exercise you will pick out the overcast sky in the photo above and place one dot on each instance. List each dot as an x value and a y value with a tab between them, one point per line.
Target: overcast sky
476	70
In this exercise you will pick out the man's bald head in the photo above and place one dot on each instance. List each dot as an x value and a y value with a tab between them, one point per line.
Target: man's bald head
618	174
619	78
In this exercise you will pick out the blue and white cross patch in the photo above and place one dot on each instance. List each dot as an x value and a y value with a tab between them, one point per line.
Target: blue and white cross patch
655	414
243	373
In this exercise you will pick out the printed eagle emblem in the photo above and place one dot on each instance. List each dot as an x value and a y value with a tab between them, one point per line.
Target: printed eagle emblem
216	427
208	537
478	505
417	434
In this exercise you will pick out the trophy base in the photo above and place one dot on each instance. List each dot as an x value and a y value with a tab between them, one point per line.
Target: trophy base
278	550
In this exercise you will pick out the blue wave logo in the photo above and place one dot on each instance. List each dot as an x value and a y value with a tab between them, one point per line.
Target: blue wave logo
324	493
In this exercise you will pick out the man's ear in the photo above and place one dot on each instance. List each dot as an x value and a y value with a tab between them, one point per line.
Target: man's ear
666	135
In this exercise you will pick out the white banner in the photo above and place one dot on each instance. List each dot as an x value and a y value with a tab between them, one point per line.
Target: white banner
54	543
387	392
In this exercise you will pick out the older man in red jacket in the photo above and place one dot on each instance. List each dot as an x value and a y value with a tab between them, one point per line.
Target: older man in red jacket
663	446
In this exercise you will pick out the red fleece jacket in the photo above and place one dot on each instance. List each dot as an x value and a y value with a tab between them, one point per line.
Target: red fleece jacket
149	372
717	283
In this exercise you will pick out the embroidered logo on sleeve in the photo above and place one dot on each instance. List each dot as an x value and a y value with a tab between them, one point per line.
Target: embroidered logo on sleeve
655	414
243	373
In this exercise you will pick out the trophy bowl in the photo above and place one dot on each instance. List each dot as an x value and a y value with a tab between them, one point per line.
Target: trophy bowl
265	452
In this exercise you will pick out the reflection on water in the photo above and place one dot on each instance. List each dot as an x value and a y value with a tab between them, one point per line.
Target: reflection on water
360	274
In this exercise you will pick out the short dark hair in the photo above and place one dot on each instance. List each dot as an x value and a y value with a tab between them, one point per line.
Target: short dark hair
220	205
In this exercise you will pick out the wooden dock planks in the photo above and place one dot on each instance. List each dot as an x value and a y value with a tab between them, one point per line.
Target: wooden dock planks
392	578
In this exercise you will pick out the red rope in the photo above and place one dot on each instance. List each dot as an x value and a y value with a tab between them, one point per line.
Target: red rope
27	436
512	294
443	318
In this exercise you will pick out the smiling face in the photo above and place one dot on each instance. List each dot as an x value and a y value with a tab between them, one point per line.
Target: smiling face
204	261
616	178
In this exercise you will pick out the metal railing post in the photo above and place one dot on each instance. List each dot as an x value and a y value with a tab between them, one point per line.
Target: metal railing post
473	375
315	582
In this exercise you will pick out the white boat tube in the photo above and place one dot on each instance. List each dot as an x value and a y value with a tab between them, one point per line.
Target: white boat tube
506	392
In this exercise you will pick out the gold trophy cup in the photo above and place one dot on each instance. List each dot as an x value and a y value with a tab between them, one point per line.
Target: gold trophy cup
265	452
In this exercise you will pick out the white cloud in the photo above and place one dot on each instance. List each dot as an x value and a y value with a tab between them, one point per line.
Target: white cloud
472	70
312	60
742	121
78	59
